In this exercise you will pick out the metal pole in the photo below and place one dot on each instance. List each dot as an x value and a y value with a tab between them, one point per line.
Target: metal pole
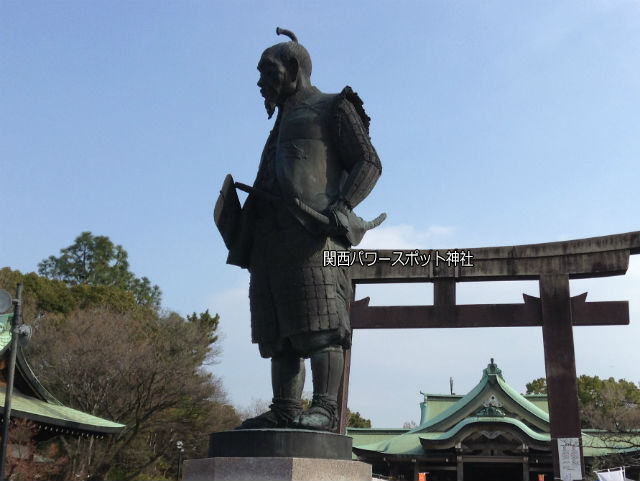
15	322
180	447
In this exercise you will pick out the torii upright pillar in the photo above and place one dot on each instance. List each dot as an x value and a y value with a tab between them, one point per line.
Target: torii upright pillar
560	366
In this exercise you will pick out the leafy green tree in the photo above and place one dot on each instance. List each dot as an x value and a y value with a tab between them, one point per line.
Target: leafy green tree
96	261
604	403
55	299
205	322
537	386
609	404
355	420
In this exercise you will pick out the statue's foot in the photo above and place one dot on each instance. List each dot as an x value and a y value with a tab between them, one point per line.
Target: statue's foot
321	416
265	420
281	414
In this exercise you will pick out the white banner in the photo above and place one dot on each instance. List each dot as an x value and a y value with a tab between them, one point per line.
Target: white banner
611	475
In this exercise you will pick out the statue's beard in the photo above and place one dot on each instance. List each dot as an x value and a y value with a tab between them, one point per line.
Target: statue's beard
270	107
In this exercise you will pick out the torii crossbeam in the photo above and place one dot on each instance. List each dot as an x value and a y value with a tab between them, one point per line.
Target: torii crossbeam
552	264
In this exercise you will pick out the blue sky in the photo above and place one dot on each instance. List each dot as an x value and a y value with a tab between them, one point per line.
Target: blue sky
497	123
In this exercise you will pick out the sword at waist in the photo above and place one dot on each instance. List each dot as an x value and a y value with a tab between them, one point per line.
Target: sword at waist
310	211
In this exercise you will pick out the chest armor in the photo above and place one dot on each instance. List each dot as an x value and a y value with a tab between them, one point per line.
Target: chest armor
306	163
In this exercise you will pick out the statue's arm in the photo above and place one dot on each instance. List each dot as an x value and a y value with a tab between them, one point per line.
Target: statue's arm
358	155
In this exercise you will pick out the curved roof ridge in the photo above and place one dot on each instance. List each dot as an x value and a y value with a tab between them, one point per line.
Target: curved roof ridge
23	366
491	370
523	401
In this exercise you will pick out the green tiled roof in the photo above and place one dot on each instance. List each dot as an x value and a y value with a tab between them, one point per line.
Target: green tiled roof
539	400
435	404
406	444
57	415
362	436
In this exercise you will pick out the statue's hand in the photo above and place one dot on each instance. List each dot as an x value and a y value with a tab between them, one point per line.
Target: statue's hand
340	205
343	222
338	218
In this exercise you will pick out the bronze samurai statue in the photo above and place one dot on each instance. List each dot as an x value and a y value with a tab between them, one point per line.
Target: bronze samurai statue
317	165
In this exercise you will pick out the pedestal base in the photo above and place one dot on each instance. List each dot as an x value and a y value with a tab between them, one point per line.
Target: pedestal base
275	469
276	443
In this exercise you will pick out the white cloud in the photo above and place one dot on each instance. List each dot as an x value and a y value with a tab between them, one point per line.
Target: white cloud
403	236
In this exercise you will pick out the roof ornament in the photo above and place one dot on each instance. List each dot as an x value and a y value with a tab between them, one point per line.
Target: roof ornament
492	369
491	408
288	33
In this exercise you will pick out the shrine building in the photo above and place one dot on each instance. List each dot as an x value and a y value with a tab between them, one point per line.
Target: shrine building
491	433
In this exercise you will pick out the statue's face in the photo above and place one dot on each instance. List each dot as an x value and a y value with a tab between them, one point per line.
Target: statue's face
276	82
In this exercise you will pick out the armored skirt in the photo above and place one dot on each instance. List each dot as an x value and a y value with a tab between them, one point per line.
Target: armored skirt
296	302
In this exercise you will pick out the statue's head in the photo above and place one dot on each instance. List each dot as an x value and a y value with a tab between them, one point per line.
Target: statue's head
284	69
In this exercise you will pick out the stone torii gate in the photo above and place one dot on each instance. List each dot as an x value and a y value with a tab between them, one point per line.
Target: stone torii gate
552	265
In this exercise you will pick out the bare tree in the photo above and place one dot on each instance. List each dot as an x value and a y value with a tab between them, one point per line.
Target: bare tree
255	408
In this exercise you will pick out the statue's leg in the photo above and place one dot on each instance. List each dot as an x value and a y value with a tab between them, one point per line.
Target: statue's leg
287	380
326	367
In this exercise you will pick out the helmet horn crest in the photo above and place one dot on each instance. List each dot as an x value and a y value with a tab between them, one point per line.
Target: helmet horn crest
288	33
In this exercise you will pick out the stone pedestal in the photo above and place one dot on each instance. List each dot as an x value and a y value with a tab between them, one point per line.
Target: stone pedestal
275	469
277	455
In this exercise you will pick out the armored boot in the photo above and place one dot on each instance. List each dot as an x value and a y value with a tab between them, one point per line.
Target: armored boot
287	379
326	367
